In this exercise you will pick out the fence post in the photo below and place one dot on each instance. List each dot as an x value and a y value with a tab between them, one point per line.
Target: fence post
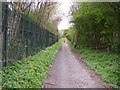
47	39
27	22
1	34
4	29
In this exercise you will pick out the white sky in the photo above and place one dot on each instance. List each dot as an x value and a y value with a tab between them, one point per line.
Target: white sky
64	10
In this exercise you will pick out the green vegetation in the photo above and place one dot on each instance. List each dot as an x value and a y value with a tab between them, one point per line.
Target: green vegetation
95	25
29	72
105	64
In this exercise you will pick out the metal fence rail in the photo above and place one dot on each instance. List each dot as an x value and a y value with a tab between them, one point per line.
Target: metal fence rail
22	36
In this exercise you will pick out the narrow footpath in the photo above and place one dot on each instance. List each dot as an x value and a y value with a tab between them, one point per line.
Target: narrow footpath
69	71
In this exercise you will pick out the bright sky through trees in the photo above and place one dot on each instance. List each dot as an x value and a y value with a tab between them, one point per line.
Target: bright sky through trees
64	9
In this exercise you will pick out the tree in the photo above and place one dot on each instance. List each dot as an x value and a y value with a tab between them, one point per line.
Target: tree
96	25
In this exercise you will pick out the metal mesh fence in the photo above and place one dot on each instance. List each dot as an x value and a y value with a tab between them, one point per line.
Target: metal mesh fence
22	36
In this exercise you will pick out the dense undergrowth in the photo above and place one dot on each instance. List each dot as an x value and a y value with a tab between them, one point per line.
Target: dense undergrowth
29	72
104	63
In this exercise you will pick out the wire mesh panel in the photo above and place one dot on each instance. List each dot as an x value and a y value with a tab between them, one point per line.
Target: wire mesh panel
22	36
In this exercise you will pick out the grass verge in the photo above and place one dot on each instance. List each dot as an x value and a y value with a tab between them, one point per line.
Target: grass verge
29	72
104	63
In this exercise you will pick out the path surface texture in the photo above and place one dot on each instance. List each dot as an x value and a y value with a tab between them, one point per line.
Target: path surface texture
69	71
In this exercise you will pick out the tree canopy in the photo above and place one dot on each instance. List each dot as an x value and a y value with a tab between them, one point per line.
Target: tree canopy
96	25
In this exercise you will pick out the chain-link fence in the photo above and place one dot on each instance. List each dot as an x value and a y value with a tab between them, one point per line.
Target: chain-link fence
22	36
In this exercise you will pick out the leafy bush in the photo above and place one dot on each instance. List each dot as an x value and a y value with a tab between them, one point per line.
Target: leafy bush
104	63
29	72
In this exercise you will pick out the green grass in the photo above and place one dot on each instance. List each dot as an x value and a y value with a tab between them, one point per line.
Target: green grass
104	63
30	72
